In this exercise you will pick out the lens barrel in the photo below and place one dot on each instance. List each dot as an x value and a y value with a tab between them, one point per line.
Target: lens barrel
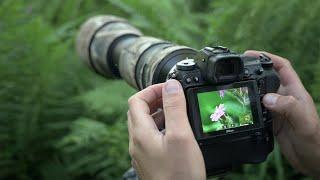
113	48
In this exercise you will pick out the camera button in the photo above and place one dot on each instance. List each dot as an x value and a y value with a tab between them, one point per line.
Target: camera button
208	49
172	76
246	72
257	133
259	71
267	139
188	80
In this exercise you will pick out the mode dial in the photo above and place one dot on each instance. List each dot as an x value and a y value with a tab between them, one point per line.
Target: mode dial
186	65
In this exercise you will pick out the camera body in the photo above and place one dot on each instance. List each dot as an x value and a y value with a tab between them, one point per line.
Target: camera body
224	92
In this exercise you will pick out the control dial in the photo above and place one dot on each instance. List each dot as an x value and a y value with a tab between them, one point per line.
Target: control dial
266	62
186	65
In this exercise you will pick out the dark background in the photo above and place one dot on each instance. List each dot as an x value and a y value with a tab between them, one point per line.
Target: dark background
58	120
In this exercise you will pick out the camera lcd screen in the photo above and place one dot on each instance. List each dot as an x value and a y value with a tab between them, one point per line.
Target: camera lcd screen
225	109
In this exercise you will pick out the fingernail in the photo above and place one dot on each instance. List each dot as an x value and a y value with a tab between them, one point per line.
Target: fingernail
270	99
172	86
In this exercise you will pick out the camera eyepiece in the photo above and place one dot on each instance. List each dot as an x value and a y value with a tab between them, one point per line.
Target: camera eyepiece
220	65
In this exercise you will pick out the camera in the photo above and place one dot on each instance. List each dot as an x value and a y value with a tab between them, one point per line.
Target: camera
223	89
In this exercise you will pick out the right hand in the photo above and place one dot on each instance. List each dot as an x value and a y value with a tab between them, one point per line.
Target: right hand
296	123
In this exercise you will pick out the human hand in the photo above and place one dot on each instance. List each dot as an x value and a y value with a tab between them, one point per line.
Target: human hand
295	122
174	154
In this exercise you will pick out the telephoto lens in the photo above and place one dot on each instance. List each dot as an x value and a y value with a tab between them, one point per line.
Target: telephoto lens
113	48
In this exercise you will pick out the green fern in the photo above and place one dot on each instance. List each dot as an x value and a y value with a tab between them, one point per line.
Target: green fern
94	149
282	27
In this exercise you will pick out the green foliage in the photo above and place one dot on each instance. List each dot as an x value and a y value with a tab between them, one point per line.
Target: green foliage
35	84
109	100
40	80
94	149
158	18
60	121
286	28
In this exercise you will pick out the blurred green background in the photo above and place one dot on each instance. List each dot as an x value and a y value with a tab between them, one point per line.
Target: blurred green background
58	120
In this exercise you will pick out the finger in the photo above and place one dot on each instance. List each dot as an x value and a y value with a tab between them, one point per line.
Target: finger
156	105
287	74
146	97
132	143
159	119
288	151
174	106
129	123
133	164
293	111
139	107
137	168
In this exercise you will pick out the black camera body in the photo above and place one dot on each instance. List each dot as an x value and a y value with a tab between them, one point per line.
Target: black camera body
239	129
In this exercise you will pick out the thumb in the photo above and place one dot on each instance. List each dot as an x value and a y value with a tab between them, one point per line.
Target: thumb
287	106
174	107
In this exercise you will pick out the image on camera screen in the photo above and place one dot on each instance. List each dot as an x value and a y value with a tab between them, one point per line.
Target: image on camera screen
225	109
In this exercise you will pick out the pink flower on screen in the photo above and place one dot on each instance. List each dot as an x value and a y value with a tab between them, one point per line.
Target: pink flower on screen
221	93
218	113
